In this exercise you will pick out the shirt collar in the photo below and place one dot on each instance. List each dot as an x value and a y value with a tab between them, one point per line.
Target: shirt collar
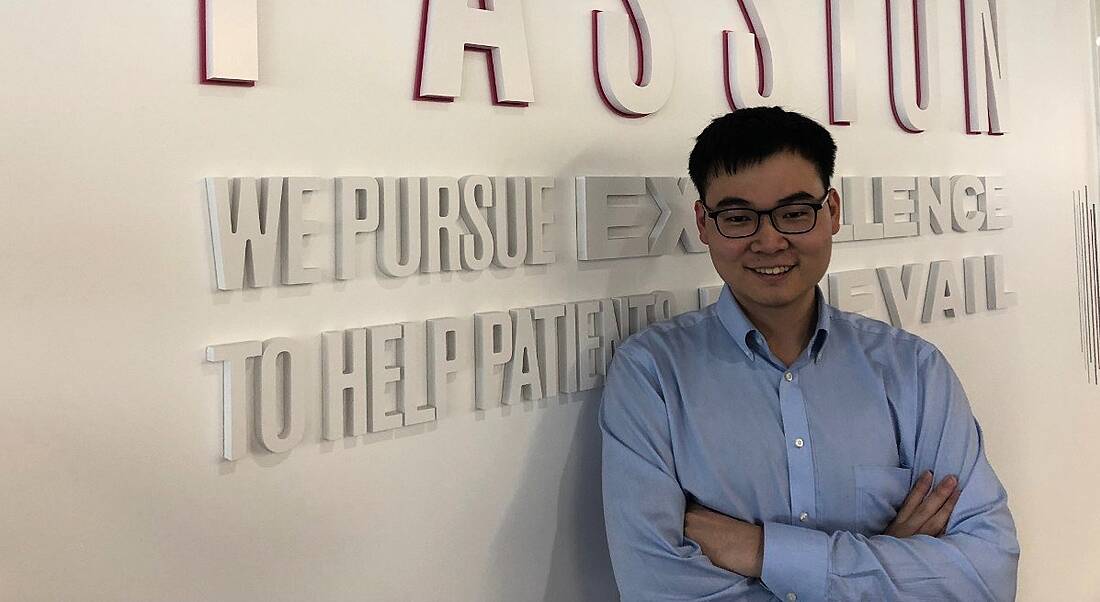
748	337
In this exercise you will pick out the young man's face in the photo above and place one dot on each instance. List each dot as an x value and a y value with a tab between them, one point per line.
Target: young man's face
802	258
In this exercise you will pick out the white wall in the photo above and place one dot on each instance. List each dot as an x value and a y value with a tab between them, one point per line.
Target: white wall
110	422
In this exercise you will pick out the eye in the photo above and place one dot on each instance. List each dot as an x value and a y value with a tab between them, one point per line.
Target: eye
795	214
734	219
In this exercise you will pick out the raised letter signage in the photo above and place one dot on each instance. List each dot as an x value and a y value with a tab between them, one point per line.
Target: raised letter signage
648	91
449	27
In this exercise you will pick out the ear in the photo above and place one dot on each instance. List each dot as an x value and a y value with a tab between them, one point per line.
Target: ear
701	221
834	210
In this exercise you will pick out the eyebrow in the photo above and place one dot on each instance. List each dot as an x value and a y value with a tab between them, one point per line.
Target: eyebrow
733	201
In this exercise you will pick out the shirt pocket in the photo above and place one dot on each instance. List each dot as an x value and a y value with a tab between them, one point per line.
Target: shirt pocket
880	491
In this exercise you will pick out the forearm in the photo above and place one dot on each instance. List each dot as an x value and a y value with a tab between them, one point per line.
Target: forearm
646	573
644	504
729	543
843	565
652	557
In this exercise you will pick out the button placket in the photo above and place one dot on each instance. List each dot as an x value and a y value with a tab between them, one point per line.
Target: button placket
800	464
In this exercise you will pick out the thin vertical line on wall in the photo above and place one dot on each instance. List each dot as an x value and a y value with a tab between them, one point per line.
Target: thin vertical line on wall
1086	318
1093	285
1090	287
1096	287
1090	357
1087	245
1086	283
1077	254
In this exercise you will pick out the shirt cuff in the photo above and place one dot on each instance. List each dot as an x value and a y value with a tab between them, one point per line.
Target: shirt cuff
796	562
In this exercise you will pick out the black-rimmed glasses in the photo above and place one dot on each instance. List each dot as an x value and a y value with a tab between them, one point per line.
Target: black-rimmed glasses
789	218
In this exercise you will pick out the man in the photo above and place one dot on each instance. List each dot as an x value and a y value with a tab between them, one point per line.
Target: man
771	446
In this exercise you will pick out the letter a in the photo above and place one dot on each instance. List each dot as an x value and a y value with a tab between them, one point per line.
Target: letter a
450	27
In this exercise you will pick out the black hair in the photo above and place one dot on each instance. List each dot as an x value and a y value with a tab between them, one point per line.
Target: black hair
747	137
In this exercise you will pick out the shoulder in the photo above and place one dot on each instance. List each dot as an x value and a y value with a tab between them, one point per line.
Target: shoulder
647	364
675	336
913	371
876	338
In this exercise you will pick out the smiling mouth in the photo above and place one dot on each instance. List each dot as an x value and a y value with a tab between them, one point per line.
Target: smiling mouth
772	271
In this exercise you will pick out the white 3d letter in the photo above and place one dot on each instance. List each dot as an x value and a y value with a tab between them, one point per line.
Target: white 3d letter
840	18
523	375
244	229
943	297
230	48
986	79
412	390
546	336
445	357
750	65
997	296
893	199
384	368
235	384
295	230
449	27
357	203
913	95
606	229
853	290
399	246
492	351
539	216
899	290
439	227
676	199
344	387
626	94
282	405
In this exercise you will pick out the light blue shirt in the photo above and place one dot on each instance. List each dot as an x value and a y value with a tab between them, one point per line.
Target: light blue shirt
822	454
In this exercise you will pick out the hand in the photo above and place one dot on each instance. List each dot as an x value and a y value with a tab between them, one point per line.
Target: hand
920	515
731	544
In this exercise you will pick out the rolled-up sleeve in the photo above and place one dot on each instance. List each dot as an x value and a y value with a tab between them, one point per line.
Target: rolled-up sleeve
644	503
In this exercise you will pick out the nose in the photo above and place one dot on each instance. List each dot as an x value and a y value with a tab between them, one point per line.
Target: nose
767	239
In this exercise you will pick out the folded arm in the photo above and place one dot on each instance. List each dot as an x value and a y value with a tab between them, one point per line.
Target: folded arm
644	503
974	558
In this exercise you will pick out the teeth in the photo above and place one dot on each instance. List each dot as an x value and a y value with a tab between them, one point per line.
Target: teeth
772	271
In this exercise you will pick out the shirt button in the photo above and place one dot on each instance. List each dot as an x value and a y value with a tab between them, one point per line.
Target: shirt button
803	517
799	443
791	597
788	377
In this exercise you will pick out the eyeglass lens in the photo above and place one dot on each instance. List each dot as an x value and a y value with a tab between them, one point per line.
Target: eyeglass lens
795	218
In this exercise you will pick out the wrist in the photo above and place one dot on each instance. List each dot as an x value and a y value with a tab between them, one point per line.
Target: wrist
755	560
744	552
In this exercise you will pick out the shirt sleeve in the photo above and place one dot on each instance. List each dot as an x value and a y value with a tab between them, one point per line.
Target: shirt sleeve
644	504
976	559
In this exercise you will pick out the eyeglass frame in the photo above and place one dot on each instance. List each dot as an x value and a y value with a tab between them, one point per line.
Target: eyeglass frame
817	206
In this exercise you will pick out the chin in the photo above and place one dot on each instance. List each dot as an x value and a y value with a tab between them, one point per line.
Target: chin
771	298
774	300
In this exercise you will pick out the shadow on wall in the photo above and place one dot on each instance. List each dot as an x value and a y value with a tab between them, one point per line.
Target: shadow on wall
576	566
579	568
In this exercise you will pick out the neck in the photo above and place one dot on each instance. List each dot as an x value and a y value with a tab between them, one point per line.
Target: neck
786	329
